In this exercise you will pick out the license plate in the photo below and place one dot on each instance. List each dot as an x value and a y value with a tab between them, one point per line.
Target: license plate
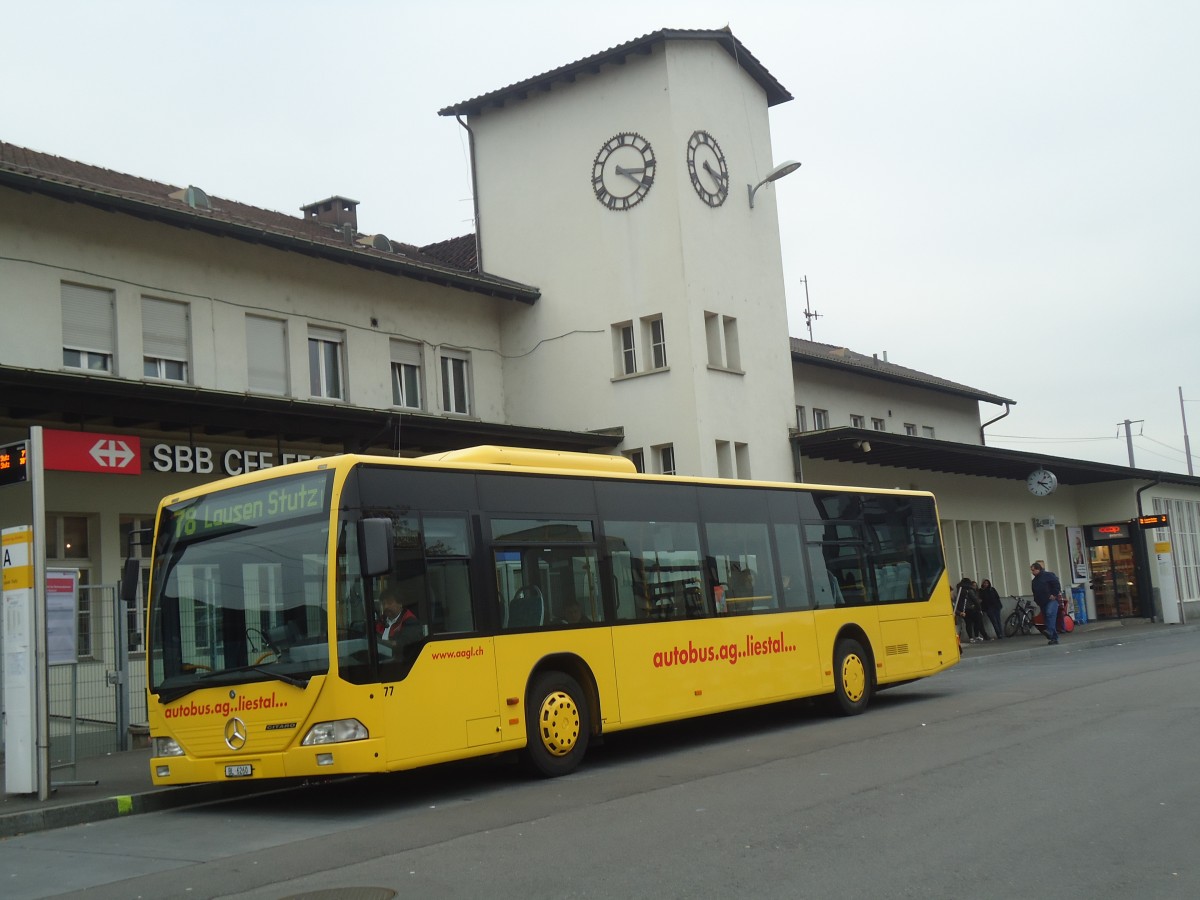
244	771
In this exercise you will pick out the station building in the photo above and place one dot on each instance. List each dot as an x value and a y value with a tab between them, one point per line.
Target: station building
622	292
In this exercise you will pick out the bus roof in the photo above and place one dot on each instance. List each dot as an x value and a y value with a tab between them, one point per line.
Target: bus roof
492	455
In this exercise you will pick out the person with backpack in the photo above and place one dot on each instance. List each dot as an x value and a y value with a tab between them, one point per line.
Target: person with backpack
989	598
972	612
1047	594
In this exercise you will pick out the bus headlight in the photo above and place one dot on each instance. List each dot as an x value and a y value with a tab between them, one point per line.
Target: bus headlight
336	732
165	746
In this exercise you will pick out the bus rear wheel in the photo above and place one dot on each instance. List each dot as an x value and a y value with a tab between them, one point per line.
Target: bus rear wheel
556	724
851	677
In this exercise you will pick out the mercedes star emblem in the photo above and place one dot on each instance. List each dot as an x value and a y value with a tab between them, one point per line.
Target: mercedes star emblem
235	734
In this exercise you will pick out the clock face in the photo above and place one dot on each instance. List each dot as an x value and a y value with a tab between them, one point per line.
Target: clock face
623	171
707	168
1041	482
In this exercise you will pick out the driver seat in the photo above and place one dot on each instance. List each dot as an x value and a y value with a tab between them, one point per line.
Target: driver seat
526	609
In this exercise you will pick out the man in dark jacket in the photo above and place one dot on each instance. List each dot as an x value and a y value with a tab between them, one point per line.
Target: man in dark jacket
1047	593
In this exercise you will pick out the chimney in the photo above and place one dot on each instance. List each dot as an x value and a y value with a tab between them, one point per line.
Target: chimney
335	212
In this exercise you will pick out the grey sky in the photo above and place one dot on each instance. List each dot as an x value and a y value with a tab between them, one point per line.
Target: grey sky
1006	194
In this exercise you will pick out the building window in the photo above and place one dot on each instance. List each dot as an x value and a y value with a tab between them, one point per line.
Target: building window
724	459
658	342
1185	541
910	429
325	362
131	547
721	335
165	339
665	454
68	545
87	327
624	349
456	382
820	419
879	424
406	374
652	336
638	458
857	421
801	419
927	431
266	355
741	456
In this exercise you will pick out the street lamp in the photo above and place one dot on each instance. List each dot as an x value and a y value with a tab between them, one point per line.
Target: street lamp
785	168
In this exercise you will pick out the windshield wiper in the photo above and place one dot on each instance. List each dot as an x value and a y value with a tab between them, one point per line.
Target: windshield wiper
255	667
170	694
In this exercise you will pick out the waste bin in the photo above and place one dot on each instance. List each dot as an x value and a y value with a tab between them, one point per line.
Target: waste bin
1079	601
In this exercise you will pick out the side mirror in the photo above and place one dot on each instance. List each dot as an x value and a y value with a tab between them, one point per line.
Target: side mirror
376	547
131	577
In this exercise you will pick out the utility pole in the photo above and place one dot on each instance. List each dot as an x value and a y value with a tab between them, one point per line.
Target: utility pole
809	312
1187	447
1129	437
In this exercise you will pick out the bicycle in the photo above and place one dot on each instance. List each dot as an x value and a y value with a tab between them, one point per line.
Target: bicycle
1020	620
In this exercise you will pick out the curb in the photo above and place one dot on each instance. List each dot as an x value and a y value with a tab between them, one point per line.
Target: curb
119	805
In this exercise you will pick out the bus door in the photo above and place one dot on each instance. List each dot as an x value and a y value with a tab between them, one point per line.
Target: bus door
548	595
436	672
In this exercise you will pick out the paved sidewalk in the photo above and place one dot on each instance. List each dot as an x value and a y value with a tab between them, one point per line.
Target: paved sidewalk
118	784
1093	634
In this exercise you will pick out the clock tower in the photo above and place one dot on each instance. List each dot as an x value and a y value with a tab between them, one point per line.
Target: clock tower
616	186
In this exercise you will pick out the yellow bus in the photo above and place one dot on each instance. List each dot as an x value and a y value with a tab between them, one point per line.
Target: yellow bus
365	614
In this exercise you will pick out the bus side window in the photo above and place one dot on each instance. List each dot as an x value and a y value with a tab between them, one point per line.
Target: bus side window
450	591
741	552
797	593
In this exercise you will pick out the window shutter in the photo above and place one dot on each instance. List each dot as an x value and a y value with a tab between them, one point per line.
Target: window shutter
266	351
164	329
406	352
317	333
87	318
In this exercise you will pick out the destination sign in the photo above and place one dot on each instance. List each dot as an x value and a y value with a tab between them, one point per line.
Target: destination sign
14	463
246	507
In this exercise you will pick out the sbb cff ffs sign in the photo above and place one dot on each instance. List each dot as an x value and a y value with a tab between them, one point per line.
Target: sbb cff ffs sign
90	451
14	463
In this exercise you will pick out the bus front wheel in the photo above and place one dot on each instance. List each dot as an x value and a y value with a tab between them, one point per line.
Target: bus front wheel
556	724
851	677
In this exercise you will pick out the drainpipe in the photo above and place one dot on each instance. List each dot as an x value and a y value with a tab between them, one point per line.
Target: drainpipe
1145	487
474	194
1007	410
1144	582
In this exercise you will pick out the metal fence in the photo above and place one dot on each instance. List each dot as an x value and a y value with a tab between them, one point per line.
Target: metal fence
93	701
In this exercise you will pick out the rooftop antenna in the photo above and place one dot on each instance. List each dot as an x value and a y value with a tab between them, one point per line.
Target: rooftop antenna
809	312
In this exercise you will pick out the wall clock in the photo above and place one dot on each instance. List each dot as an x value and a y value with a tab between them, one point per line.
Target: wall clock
707	168
1041	482
623	171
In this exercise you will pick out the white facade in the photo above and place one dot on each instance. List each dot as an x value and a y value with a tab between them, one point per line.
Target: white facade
671	256
222	282
882	406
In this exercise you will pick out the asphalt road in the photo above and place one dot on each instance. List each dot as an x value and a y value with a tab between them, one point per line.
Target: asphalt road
1067	775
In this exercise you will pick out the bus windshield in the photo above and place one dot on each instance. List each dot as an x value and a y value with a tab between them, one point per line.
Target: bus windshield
238	589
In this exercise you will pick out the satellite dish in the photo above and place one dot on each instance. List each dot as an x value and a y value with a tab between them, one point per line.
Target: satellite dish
193	197
376	242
